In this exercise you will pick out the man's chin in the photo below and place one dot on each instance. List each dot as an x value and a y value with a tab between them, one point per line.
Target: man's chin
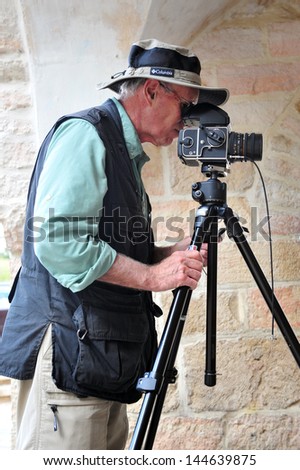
165	141
168	141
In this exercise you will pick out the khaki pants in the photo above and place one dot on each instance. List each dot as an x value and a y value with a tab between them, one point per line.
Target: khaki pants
48	418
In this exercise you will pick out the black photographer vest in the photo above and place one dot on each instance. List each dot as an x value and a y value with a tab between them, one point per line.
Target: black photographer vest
104	336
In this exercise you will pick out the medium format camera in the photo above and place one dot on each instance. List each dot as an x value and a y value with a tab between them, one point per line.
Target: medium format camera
206	138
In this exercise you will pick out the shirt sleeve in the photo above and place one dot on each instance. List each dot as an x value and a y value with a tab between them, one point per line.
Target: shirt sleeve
68	205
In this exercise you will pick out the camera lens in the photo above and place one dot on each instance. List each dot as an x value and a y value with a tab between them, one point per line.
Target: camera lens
248	146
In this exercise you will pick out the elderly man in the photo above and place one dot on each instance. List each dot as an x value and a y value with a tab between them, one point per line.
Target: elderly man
81	327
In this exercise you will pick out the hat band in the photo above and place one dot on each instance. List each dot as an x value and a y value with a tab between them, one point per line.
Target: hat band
163	72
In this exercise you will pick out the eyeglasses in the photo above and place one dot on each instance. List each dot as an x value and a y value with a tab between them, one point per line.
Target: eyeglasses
184	104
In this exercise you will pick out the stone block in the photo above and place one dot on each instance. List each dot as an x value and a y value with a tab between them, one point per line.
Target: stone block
17	154
15	98
262	431
260	315
189	433
283	38
223	41
13	70
261	78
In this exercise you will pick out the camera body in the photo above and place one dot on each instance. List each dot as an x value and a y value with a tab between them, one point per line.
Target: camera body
206	138
203	144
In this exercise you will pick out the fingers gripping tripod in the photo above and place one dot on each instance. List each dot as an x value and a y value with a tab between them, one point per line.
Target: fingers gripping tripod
212	196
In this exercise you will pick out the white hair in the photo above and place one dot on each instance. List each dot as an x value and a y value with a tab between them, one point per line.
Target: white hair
129	87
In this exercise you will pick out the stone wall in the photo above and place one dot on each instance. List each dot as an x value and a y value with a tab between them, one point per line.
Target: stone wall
253	49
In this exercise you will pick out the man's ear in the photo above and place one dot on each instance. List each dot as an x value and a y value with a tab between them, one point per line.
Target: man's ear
150	89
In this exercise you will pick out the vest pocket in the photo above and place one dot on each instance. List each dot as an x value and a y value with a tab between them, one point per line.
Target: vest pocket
110	347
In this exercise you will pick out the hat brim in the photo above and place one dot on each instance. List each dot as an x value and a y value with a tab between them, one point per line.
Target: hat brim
216	96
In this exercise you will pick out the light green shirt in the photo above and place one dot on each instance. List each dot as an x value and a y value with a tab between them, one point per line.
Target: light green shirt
69	200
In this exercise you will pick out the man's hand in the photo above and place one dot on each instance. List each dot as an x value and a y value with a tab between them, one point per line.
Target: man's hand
182	268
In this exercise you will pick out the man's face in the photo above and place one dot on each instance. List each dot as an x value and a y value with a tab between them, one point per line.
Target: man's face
167	113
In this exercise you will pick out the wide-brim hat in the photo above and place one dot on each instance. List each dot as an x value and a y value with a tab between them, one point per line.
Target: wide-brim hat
151	58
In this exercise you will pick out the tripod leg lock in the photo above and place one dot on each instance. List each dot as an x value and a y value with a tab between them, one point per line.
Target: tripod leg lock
149	383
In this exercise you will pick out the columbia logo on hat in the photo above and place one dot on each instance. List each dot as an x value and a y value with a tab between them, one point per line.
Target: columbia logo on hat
162	72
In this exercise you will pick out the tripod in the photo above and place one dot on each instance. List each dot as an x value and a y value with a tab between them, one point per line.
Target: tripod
211	194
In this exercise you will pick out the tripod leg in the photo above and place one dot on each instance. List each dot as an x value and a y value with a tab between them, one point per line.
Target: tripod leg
155	382
211	307
235	230
170	377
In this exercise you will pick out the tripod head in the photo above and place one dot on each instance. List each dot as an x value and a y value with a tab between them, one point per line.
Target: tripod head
209	192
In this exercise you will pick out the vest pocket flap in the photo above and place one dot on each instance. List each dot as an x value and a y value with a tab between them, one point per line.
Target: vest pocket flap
111	349
97	324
